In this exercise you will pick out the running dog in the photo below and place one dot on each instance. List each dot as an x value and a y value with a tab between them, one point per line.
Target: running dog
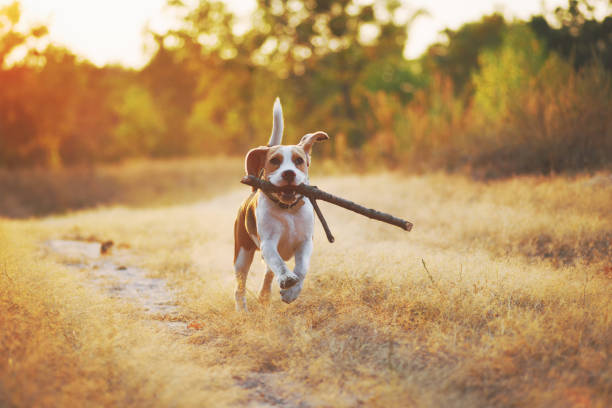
278	224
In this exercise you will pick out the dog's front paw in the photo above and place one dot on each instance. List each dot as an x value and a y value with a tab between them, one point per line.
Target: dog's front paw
289	295
288	280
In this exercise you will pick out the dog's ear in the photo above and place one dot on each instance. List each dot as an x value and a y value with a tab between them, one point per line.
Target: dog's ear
310	138
255	160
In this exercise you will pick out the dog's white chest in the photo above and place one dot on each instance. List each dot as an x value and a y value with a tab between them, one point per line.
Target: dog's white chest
289	228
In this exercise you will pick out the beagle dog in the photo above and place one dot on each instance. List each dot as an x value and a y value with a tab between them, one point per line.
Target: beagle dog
278	224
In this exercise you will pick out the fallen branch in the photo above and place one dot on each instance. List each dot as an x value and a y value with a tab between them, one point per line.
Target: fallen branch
313	193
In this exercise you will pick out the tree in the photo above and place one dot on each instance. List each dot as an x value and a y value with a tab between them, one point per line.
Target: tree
18	130
458	57
334	54
321	57
507	72
171	81
10	36
575	33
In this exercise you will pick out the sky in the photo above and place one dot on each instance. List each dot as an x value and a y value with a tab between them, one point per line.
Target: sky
112	31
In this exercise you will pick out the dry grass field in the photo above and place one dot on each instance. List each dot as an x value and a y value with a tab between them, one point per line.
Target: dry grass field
500	296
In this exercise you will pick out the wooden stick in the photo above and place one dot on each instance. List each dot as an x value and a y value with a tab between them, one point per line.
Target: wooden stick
312	192
328	233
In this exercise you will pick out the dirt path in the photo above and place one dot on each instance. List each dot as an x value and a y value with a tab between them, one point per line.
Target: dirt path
112	273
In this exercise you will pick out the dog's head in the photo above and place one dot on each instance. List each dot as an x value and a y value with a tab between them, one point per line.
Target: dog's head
284	165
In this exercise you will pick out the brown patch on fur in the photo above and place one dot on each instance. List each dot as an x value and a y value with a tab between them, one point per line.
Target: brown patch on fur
308	140
255	160
311	138
245	225
272	153
299	153
261	157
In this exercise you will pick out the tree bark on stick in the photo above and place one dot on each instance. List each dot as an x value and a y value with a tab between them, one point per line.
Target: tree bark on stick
313	193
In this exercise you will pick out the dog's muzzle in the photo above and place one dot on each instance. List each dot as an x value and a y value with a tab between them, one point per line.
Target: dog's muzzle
287	197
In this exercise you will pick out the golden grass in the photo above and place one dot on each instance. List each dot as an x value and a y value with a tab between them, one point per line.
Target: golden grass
64	345
512	309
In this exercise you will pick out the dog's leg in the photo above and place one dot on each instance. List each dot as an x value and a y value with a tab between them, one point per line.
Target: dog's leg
286	277
302	261
266	286
241	268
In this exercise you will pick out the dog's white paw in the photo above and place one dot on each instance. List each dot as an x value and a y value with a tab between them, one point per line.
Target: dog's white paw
289	295
241	305
288	280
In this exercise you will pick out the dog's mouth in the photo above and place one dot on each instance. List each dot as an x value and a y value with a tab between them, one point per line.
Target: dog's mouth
286	197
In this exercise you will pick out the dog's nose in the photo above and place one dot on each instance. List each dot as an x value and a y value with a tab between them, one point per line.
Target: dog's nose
288	175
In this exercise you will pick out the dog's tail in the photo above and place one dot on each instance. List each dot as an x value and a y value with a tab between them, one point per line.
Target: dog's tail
277	124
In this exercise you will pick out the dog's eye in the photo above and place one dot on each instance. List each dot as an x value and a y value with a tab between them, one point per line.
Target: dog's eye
299	161
275	161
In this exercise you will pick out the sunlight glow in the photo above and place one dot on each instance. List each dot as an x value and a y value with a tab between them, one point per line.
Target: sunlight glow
104	32
113	31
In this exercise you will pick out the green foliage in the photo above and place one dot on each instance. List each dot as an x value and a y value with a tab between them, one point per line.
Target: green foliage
141	126
506	72
226	116
313	53
562	122
458	58
171	81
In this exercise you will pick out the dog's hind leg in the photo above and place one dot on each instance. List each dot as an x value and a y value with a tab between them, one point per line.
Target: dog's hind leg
241	269
266	286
